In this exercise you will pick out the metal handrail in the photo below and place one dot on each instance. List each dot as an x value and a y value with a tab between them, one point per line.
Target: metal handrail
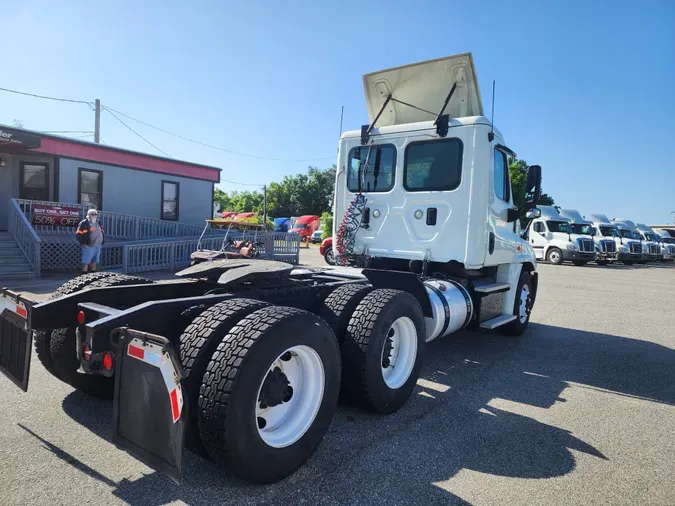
25	235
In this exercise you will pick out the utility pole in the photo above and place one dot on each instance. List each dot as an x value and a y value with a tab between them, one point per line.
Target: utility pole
97	121
265	206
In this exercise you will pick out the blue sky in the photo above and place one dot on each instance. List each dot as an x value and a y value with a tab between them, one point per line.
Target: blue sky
585	89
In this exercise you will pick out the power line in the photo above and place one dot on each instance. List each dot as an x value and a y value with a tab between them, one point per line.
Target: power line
46	97
243	184
238	153
67	131
134	131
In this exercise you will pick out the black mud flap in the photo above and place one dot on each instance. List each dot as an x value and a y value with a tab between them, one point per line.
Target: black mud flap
148	416
15	340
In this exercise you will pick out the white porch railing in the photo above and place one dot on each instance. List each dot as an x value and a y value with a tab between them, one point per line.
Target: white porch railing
25	236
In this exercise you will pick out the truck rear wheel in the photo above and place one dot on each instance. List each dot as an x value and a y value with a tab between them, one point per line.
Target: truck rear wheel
340	304
42	338
269	393
554	256
383	350
197	344
63	352
522	306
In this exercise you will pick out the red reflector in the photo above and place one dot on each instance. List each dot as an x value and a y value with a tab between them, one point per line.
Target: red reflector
107	361
137	352
21	311
80	317
86	352
175	411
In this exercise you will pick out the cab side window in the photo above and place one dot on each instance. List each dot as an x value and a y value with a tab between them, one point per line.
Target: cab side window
501	172
539	227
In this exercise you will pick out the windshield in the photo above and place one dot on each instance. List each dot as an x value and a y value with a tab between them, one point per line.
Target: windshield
636	235
581	229
300	226
608	231
559	226
628	234
652	237
669	240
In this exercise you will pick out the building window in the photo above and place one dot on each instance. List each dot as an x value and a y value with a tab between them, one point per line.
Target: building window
433	165
170	192
378	176
90	188
501	171
34	181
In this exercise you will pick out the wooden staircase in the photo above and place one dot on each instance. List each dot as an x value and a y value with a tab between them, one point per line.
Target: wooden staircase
13	263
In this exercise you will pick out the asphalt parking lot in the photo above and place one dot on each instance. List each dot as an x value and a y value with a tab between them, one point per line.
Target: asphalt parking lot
579	410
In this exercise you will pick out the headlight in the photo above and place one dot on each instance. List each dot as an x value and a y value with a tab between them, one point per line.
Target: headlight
645	248
623	249
572	247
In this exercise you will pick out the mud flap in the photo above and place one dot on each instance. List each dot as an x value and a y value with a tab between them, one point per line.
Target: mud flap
15	341
148	416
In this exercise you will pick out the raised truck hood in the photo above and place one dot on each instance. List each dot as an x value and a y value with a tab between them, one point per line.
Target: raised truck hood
426	86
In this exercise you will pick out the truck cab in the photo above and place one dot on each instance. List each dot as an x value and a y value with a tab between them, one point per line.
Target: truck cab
667	245
605	249
627	251
424	188
305	226
652	241
628	230
553	238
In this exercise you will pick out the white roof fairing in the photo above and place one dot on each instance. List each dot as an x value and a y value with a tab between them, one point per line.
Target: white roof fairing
424	85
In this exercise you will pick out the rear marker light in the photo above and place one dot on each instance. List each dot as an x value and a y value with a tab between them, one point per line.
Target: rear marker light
80	317
107	361
21	311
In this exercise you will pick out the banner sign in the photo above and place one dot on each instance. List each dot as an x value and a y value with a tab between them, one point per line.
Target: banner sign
61	216
19	138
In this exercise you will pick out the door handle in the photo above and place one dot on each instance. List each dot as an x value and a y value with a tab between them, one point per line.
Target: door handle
432	213
491	243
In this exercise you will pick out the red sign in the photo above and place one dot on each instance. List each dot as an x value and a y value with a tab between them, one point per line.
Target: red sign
61	216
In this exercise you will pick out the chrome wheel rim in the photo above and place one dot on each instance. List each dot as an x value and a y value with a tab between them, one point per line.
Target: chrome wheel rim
523	308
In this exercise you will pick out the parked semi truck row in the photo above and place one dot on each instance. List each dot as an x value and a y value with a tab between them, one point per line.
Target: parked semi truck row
243	360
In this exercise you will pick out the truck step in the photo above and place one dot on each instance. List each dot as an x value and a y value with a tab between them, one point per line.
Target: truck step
498	321
492	288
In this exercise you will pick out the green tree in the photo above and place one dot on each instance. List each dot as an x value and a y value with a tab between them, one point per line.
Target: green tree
518	174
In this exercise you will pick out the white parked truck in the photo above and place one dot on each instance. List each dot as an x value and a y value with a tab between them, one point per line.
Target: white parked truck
653	242
628	228
605	249
552	238
667	245
243	360
628	250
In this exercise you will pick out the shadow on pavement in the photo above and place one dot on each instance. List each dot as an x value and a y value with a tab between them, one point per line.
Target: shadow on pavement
448	425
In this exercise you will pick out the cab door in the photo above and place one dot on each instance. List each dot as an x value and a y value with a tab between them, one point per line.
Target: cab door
538	239
503	239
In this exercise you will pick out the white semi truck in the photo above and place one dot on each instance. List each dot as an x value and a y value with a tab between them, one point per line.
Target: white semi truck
243	360
552	238
628	228
629	251
605	249
667	245
657	251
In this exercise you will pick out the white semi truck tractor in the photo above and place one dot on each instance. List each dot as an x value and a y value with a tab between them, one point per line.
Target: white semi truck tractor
629	251
243	360
552	238
605	249
667	245
653	242
648	248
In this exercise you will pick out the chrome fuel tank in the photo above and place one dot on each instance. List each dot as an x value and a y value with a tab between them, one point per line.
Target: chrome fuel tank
451	305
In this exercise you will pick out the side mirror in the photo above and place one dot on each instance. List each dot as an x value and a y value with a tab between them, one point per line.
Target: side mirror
512	215
533	214
533	186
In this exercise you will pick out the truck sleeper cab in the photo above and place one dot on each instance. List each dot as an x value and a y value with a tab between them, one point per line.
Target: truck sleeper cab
667	245
628	250
553	239
605	249
652	240
628	229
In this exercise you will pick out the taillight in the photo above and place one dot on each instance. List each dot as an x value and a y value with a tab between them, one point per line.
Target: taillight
80	317
107	361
